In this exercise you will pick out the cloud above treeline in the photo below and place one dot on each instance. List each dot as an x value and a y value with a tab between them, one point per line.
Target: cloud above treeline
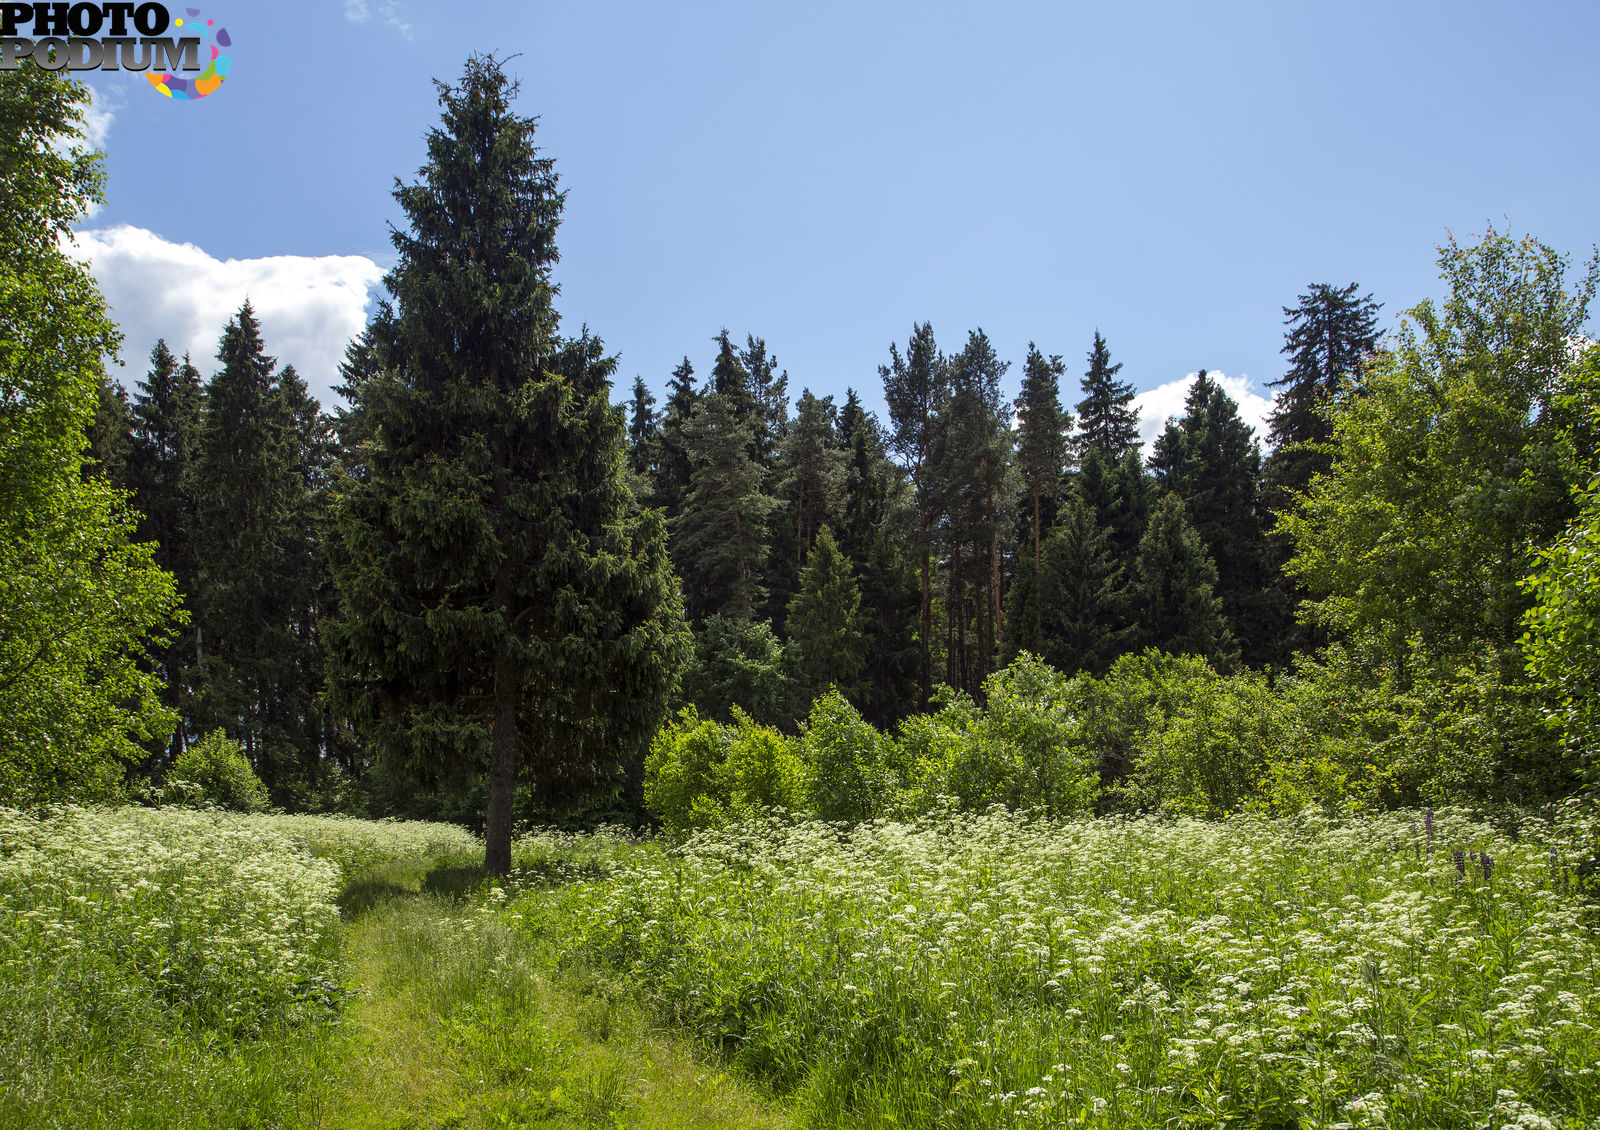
1157	404
309	307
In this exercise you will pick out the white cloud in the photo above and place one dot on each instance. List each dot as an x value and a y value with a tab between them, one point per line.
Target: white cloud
1156	404
360	11
309	307
98	116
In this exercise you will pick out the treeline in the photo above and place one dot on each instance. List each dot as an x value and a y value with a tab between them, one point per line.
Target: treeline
465	579
829	548
820	548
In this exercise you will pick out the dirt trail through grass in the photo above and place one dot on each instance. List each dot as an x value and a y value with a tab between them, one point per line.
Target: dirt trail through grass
457	1023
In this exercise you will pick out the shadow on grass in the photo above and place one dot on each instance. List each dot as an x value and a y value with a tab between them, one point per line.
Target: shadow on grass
451	880
454	881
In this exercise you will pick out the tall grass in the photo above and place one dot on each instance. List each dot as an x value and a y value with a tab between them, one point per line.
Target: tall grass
160	968
1398	970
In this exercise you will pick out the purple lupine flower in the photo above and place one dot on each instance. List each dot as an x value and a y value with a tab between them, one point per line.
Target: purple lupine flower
1427	822
1461	862
1488	866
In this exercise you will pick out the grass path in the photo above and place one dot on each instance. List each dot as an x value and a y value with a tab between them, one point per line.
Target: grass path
457	1023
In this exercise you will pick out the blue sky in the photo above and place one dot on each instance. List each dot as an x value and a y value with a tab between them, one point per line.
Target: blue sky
825	175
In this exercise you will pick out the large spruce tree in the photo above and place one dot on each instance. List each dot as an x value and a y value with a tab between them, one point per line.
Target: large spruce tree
1172	592
826	644
1209	458
257	546
504	605
1106	417
161	474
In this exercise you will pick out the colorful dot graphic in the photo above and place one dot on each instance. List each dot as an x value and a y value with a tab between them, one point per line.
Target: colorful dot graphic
211	38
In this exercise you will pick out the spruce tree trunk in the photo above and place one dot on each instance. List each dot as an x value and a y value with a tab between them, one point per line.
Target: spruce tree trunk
502	748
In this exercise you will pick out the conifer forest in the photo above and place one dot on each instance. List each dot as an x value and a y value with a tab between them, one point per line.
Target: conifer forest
505	745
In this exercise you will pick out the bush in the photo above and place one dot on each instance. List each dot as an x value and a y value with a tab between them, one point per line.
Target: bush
701	774
216	763
681	772
1211	755
763	770
852	768
1026	750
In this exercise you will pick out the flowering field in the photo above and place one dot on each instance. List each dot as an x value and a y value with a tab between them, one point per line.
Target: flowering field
1398	970
172	967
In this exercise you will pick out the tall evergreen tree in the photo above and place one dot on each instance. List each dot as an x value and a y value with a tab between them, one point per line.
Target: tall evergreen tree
166	441
813	471
1122	495
504	604
1331	332
871	533
916	388
110	435
1081	595
673	470
1042	430
1210	459
642	426
973	448
258	554
826	644
1172	593
720	536
1106	418
769	391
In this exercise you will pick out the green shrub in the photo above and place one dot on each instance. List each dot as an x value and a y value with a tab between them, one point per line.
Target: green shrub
1025	749
217	764
1211	755
763	769
929	746
701	774
681	772
852	768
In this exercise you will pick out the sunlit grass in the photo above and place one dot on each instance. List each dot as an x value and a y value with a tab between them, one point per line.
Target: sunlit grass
996	971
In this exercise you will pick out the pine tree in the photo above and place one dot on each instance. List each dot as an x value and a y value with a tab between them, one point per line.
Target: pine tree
1210	459
1331	333
673	470
1172	597
1106	419
974	461
642	427
916	388
166	440
504	605
1042	439
1081	595
826	645
262	456
720	536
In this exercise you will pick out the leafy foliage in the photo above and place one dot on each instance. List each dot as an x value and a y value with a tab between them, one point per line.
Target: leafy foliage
78	597
1456	460
217	764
